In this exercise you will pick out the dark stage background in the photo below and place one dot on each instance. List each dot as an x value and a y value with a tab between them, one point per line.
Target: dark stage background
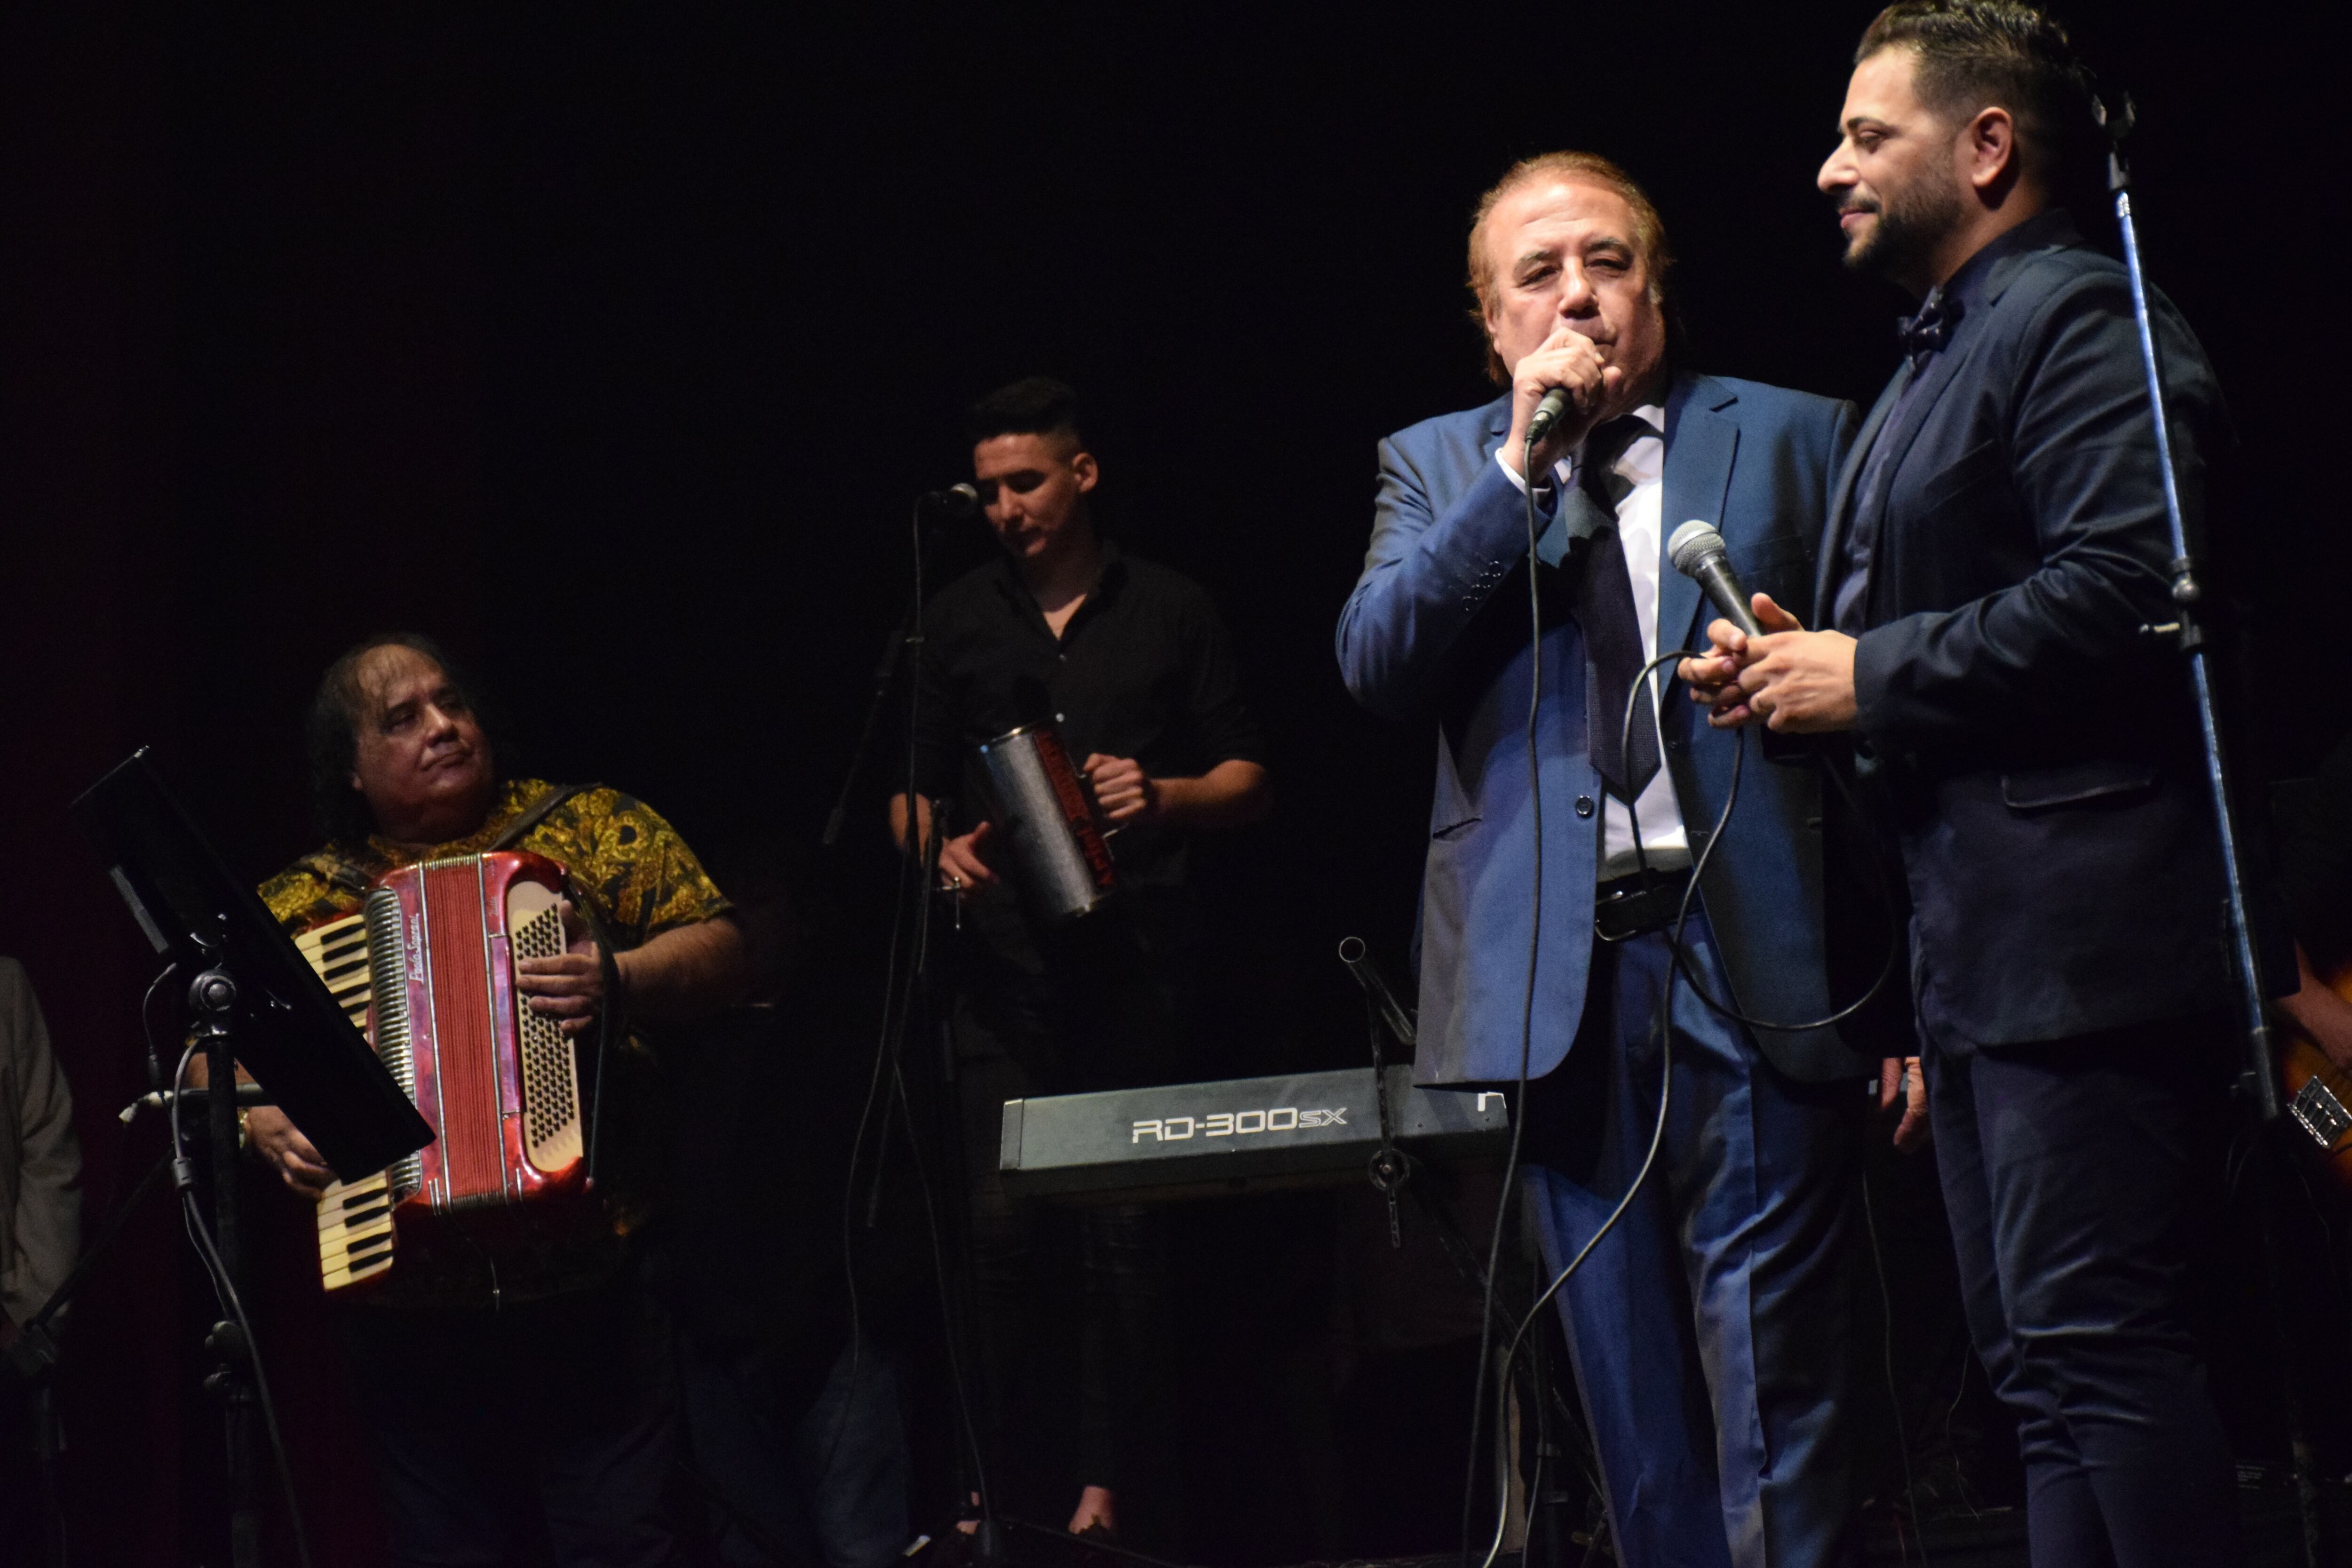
610	343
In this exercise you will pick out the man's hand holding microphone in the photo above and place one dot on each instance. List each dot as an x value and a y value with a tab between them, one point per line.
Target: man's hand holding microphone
1797	682
1566	362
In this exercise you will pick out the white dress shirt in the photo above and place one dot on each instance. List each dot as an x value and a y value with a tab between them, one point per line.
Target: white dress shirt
1644	461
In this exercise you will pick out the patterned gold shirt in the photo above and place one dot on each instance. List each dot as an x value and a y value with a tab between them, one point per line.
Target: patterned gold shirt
642	879
626	860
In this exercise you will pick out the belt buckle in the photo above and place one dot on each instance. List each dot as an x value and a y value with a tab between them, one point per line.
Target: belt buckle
1639	904
1601	925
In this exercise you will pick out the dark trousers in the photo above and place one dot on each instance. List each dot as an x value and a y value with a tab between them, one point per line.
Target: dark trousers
802	1477
30	1517
503	1434
1074	1326
1074	1330
1712	1330
2068	1171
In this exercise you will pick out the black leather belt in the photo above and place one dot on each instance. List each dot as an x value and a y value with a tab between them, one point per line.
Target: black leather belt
1628	906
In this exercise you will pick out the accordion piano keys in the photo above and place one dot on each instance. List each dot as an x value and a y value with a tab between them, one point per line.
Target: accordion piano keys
354	1217
355	1231
337	950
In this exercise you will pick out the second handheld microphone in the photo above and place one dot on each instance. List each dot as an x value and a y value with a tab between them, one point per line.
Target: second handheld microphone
1697	552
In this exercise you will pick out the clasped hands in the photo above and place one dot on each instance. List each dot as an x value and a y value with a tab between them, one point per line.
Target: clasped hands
1796	681
1124	790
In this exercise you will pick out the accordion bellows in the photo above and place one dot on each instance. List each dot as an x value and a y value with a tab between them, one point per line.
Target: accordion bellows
427	968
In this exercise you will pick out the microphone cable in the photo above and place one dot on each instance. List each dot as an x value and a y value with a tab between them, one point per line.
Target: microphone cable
1880	882
919	848
1527	1040
1682	968
1526	1008
200	1235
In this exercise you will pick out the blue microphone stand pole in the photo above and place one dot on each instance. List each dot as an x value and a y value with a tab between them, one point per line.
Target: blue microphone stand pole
2258	1079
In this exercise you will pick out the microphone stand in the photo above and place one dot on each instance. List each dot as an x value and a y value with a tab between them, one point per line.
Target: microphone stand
919	871
213	998
904	638
2257	1076
1390	1167
37	1351
905	641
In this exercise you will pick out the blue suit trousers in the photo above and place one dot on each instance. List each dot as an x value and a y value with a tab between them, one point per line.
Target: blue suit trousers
1712	1330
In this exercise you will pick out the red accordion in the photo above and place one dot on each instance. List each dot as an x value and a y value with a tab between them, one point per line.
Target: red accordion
429	964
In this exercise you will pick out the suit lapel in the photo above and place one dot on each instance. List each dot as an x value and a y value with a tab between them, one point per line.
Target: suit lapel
1701	442
1498	424
1941	368
1553	544
1831	564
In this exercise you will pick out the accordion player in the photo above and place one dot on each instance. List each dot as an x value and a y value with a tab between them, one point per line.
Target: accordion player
427	968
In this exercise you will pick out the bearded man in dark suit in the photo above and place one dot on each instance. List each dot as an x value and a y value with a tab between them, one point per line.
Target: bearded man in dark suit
1997	552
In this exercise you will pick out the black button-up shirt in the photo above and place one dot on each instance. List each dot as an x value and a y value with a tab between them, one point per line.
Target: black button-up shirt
1144	668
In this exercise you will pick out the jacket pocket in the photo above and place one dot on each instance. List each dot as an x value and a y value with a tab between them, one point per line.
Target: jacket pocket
1980	466
1778	553
2030	791
1446	832
1780	566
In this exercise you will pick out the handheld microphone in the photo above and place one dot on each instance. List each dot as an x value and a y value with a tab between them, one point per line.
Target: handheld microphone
1547	414
956	501
1697	551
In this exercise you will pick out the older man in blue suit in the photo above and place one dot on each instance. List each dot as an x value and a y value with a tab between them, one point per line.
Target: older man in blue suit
1707	1329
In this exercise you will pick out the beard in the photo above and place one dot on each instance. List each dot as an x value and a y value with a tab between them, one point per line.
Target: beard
1912	220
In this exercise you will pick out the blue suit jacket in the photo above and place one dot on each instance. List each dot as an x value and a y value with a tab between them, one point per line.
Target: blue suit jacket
1437	628
2040	752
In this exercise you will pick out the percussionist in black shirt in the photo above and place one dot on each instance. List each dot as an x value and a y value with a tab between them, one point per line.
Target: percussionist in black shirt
1129	660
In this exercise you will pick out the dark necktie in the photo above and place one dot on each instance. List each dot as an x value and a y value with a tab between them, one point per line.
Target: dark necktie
1604	608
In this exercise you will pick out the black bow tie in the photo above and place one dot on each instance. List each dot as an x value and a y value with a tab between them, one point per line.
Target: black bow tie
1931	328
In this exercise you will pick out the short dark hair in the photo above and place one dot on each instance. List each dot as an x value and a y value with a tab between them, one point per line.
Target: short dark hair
1034	406
331	735
1976	54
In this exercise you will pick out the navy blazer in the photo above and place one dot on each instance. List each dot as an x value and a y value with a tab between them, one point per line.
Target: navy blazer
2039	748
1437	628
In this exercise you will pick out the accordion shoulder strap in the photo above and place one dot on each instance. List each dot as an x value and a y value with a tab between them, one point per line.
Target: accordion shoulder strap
332	868
537	814
336	871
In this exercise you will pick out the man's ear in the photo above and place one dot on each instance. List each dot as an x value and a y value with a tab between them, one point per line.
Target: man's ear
1083	469
1989	151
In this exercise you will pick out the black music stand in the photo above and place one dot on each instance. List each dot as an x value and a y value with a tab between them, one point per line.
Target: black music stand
253	999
